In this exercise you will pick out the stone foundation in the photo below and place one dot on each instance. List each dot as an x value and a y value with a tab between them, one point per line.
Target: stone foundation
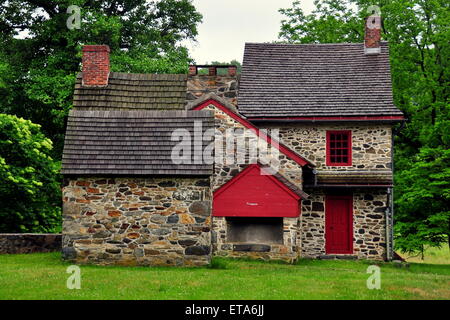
137	221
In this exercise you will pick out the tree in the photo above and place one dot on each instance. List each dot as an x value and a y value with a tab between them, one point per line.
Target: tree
40	56
29	190
423	213
418	33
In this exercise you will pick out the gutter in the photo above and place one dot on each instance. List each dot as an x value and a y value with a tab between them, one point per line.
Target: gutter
318	120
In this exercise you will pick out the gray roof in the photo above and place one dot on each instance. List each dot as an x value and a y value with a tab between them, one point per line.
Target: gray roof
131	91
131	142
311	80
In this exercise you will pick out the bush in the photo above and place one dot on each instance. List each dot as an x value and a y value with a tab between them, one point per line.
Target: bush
30	193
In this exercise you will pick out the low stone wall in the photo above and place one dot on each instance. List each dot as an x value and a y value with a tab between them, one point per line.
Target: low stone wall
137	221
29	242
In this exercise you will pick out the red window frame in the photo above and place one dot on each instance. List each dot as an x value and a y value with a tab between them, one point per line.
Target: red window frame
339	148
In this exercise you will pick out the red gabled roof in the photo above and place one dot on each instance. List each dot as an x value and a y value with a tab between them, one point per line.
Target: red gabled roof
282	148
254	194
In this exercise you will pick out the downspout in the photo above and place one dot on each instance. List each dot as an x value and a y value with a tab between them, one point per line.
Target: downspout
389	225
314	171
390	204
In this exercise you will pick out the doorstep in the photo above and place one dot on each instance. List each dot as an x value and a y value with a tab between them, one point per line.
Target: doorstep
338	256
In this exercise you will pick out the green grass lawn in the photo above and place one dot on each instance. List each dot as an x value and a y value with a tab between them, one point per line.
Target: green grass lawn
43	276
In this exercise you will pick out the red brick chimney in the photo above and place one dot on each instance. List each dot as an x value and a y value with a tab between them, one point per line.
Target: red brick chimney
95	65
372	36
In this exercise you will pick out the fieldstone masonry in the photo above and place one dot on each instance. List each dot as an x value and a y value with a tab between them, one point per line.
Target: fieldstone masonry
288	251
137	221
223	172
371	144
369	229
223	86
371	152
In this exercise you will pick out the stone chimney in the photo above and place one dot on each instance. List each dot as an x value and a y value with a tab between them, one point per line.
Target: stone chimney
372	36
224	84
95	65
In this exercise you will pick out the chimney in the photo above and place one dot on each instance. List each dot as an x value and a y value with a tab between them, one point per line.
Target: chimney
95	65
212	71
372	36
192	70
232	70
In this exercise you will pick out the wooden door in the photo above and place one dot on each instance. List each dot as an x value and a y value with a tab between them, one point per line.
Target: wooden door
339	224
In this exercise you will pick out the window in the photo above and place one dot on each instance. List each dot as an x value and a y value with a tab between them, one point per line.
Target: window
339	148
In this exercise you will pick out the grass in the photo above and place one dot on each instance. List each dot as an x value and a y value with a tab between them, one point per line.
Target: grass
43	276
432	255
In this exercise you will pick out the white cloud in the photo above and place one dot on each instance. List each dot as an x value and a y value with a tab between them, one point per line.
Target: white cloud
228	24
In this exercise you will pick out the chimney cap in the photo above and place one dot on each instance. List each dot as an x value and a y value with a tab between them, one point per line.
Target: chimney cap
96	48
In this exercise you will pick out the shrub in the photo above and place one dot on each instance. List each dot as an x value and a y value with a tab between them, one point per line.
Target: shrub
30	194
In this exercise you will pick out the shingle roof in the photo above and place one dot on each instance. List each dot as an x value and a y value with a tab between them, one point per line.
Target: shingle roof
131	91
131	142
303	80
324	177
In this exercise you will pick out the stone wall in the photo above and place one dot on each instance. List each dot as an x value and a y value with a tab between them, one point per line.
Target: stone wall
223	172
29	242
369	228
137	221
224	86
371	144
287	251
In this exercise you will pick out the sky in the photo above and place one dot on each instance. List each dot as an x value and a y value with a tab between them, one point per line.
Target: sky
228	24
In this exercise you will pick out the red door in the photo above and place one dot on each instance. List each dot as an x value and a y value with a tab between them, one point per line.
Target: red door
339	224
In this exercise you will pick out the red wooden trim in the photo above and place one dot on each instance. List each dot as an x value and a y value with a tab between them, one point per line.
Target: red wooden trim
349	148
350	222
349	185
340	118
282	148
244	172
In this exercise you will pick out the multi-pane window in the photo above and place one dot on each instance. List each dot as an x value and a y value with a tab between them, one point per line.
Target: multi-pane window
339	148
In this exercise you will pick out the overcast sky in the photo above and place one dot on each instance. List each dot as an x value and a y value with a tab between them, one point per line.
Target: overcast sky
228	24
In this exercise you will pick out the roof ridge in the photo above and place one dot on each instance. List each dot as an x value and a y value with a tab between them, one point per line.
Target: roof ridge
310	44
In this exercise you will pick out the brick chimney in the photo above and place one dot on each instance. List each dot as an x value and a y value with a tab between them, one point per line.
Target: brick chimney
95	65
372	36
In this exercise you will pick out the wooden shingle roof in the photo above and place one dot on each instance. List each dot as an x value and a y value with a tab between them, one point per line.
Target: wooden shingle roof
133	91
315	80
132	142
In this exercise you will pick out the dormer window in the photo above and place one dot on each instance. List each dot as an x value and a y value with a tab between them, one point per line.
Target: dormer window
339	148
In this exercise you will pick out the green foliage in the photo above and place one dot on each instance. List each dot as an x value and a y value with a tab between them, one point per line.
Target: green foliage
30	195
423	213
40	56
330	22
39	59
418	33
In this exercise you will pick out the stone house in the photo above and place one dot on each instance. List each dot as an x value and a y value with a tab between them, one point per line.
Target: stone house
319	186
